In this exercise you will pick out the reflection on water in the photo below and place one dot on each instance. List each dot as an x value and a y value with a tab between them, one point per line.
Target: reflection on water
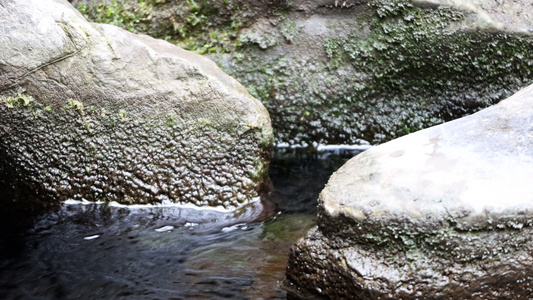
96	251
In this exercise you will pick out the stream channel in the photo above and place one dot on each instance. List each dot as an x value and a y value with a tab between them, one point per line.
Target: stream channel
103	252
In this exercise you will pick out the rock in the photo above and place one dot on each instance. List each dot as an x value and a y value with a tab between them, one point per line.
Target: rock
515	16
443	213
93	112
351	71
345	71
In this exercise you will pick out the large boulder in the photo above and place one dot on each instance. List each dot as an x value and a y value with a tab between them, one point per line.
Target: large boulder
444	213
338	71
93	112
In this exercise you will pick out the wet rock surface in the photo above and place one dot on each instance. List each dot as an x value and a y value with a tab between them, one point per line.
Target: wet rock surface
93	112
443	213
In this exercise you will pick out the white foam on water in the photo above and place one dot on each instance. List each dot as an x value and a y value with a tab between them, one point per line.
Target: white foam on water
171	204
343	147
162	204
92	237
82	202
362	145
165	228
241	226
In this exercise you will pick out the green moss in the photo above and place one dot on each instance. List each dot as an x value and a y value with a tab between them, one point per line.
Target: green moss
204	121
122	115
260	169
171	120
24	100
129	16
193	25
409	49
88	128
290	31
20	99
415	62
76	105
264	40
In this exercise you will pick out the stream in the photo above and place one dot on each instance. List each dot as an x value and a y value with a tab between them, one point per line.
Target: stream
96	251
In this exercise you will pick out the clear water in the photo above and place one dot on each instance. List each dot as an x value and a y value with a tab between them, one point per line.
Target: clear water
101	252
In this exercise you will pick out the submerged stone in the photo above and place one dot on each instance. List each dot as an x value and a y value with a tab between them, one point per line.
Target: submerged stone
93	112
444	213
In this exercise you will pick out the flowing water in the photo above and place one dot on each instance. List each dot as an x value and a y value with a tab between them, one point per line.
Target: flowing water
103	252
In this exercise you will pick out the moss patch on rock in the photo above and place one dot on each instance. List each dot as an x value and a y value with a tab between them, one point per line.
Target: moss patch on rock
353	72
130	16
203	26
401	68
422	72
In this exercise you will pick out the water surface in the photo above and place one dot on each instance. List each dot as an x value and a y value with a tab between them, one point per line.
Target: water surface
102	252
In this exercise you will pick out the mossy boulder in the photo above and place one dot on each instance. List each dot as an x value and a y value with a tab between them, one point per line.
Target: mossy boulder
443	213
93	112
351	71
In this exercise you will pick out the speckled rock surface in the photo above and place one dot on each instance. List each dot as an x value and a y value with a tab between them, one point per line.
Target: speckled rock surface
90	111
444	213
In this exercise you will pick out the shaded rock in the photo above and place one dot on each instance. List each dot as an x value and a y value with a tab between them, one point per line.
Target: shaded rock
444	213
342	71
515	16
351	71
90	111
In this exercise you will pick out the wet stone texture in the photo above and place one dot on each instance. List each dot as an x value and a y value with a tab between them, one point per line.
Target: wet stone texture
69	155
444	213
92	112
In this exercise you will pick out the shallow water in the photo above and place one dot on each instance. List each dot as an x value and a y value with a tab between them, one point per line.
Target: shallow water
101	252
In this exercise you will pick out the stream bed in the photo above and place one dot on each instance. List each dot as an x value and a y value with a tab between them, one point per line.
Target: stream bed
103	252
